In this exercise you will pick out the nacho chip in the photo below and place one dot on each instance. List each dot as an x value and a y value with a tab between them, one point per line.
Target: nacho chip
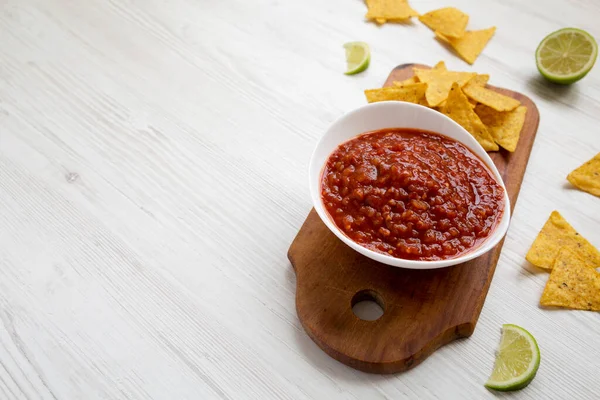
439	83
405	82
497	101
479	80
459	109
587	177
472	103
449	21
440	66
383	11
471	44
505	127
557	233
414	93
573	283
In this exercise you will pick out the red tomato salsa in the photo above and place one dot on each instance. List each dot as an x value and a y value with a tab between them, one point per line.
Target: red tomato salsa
411	194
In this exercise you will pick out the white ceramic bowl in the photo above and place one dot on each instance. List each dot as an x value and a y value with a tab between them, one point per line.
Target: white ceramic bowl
396	114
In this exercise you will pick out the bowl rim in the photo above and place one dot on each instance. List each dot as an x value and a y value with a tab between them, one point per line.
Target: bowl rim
315	188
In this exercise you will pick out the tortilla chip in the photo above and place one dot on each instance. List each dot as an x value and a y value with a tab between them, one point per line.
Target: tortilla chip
414	93
587	177
439	83
440	66
383	11
557	233
497	101
479	80
449	21
505	127
459	109
471	44
573	283
443	104
405	82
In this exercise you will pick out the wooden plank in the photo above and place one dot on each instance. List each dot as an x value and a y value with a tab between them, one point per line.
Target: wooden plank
423	310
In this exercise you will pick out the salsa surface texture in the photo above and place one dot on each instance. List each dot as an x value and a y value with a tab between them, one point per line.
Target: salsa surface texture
412	194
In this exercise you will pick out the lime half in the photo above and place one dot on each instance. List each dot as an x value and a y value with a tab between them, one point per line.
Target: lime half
358	56
566	56
517	360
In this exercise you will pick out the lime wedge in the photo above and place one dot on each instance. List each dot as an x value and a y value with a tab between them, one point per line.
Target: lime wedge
358	57
517	360
566	56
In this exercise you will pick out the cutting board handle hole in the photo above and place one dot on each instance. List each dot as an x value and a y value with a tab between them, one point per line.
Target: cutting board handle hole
368	305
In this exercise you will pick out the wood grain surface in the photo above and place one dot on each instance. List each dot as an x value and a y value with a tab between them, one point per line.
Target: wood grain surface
423	310
153	173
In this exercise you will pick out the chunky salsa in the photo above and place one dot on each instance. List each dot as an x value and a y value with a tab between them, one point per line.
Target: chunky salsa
411	194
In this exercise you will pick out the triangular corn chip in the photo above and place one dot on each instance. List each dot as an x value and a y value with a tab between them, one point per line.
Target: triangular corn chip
557	233
573	283
587	177
449	21
459	109
495	100
440	66
414	93
408	81
389	10
471	44
439	83
479	80
505	127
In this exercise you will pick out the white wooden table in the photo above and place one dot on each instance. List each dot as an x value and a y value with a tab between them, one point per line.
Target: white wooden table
153	173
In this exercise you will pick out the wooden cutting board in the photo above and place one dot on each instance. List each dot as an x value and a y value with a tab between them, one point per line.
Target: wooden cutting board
423	309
